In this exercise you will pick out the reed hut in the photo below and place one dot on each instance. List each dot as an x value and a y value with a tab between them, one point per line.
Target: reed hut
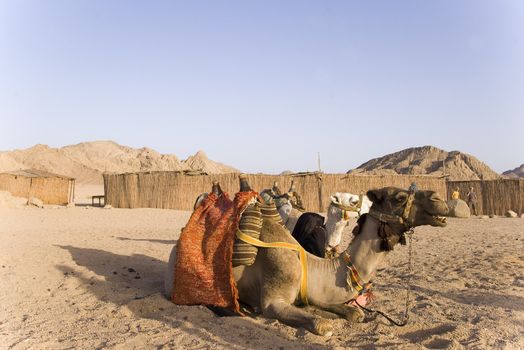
494	197
48	187
178	190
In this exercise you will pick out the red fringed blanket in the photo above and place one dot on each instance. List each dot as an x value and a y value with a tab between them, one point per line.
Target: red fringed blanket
203	270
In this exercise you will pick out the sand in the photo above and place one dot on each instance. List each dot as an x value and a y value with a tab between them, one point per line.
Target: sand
88	278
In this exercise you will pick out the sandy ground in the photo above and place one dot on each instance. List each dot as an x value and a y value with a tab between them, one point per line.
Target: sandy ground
88	278
84	192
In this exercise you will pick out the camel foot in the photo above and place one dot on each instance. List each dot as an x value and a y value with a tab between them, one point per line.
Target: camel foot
354	315
347	312
322	327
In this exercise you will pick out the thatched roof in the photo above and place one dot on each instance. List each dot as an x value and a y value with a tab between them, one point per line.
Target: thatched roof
35	173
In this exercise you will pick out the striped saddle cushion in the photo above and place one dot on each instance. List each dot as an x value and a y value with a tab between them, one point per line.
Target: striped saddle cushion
250	224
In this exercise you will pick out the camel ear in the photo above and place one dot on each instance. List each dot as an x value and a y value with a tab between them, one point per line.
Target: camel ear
335	199
376	196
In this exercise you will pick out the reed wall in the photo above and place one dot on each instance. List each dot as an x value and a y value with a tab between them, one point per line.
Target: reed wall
174	190
494	197
51	190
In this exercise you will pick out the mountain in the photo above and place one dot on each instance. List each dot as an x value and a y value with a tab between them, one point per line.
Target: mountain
202	162
428	160
515	173
88	160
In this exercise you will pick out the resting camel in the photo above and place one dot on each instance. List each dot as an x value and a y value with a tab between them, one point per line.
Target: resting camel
272	283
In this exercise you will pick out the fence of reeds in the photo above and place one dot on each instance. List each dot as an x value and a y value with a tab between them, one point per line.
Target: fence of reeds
494	197
176	190
50	188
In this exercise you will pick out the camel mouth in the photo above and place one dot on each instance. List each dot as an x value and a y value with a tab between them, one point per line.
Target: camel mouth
436	219
440	220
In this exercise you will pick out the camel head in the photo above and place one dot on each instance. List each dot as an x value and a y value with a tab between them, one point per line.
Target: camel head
285	210
343	206
426	207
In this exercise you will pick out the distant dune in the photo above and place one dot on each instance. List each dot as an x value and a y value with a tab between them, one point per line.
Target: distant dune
515	173
428	160
88	160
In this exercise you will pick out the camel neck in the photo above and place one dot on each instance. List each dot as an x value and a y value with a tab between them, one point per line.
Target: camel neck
365	251
334	228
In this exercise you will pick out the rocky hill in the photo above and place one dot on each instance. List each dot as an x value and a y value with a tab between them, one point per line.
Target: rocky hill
88	160
428	160
515	173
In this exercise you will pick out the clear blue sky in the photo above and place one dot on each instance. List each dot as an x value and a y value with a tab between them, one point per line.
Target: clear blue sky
265	85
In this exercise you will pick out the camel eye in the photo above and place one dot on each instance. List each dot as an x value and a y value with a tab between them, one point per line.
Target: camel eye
401	198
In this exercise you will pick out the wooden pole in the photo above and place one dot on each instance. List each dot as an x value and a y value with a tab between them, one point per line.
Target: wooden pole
319	182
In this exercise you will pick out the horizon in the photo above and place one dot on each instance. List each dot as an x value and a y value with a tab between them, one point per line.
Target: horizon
266	86
233	166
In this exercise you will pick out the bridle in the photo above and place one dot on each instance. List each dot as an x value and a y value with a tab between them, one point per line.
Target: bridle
346	209
389	223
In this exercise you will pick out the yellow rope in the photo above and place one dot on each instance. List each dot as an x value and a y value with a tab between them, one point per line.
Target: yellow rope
292	246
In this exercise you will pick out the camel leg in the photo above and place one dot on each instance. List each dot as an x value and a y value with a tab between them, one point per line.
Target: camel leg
348	312
295	317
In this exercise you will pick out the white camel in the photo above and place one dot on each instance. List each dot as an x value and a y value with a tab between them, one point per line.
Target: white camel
343	206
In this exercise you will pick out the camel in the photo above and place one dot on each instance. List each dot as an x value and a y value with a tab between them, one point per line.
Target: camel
289	204
323	239
272	284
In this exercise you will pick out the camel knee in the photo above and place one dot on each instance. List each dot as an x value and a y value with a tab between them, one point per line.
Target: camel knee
273	309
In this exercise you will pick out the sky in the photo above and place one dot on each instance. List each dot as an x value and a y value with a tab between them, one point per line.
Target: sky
266	86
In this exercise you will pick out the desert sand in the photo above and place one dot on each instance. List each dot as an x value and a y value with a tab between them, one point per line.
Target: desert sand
88	278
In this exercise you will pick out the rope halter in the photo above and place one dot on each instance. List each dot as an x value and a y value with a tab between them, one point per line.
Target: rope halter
385	232
346	209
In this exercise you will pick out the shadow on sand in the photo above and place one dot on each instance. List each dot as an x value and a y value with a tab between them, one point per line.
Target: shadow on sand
131	279
163	241
479	297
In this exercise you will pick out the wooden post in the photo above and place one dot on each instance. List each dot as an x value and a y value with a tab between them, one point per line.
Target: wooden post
319	182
